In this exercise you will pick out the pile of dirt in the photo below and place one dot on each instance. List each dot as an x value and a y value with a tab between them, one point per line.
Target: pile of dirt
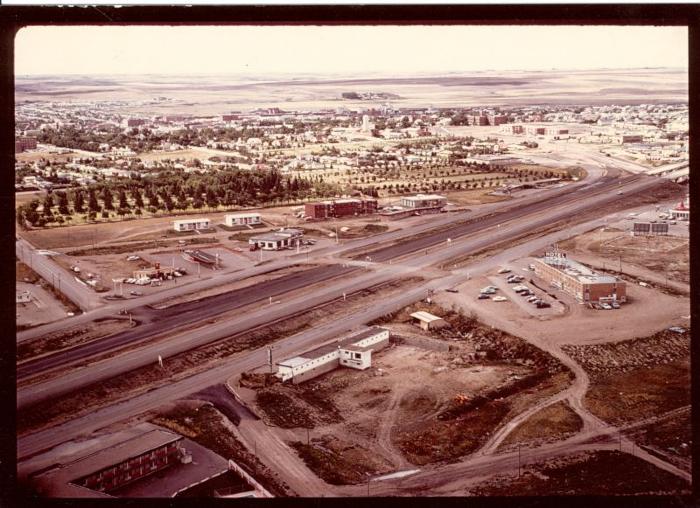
339	462
304	405
599	473
208	427
661	348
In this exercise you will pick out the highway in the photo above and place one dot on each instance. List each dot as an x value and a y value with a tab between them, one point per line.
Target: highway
32	394
159	321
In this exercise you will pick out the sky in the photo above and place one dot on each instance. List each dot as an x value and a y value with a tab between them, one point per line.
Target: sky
369	50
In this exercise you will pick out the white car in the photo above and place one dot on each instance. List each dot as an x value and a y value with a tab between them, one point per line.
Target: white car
606	306
500	299
504	270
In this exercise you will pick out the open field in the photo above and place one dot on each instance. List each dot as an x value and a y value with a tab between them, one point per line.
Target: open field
598	473
670	437
47	303
552	423
209	95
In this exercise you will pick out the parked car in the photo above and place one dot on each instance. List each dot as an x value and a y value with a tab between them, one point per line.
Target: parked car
615	305
452	290
136	293
606	306
532	299
500	299
484	296
504	270
543	305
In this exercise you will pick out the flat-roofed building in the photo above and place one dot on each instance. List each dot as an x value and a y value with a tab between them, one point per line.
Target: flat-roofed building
424	201
681	211
276	240
353	351
122	459
25	143
493	161
242	219
340	208
191	224
578	280
428	321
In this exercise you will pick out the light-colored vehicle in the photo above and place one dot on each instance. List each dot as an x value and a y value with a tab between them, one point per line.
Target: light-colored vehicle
504	270
532	298
500	299
615	305
606	306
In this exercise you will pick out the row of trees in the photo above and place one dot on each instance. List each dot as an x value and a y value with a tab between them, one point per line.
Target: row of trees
170	191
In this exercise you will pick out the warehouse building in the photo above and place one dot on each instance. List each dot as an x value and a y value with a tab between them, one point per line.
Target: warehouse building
354	351
339	208
190	224
578	280
493	161
285	238
428	321
242	219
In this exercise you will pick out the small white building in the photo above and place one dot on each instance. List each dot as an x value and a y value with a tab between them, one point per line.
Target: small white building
242	219
428	321
190	224
354	351
23	297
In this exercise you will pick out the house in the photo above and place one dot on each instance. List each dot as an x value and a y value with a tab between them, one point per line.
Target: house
283	239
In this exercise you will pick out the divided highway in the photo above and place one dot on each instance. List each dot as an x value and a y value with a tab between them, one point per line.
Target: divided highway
181	315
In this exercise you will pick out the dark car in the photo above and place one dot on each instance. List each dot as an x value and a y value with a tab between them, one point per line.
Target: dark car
452	290
543	305
484	297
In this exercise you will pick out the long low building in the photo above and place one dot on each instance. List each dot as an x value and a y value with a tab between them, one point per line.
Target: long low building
190	224
578	280
242	219
354	351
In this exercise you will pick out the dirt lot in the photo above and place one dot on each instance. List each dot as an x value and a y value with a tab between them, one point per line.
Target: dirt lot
668	255
209	428
552	423
70	337
648	311
188	363
47	303
417	404
599	473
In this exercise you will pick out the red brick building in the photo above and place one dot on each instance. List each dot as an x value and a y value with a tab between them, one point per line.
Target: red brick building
340	208
578	280
24	143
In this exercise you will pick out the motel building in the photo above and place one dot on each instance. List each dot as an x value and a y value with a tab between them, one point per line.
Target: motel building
353	351
242	219
190	224
578	280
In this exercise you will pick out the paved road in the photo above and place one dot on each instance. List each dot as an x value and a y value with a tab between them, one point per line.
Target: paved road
32	394
160	321
55	274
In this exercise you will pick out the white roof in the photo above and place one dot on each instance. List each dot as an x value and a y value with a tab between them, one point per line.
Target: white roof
294	362
425	196
187	221
425	316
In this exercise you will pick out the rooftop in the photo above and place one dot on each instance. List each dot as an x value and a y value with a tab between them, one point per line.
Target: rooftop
425	316
347	340
577	270
420	197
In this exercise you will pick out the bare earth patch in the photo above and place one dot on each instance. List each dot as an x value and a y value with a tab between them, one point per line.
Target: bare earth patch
554	422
